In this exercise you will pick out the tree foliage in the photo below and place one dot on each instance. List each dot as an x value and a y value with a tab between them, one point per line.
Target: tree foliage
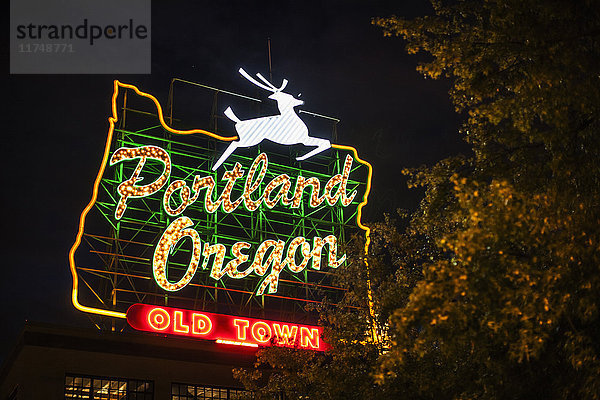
493	290
513	302
345	371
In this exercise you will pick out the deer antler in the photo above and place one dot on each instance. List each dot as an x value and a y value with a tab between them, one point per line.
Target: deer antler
270	86
283	85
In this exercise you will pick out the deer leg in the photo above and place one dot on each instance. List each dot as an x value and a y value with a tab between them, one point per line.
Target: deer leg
322	145
226	154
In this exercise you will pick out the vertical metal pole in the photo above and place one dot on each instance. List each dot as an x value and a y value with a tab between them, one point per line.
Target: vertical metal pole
213	112
124	109
334	134
114	262
170	102
270	66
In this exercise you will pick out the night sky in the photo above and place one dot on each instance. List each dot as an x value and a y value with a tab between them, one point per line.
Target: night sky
342	65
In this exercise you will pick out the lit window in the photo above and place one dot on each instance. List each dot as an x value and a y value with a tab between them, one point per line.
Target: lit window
200	392
103	388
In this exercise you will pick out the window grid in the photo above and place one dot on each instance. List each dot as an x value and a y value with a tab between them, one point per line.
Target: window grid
180	391
104	388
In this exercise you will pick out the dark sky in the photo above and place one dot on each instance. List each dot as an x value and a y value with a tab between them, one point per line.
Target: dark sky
344	67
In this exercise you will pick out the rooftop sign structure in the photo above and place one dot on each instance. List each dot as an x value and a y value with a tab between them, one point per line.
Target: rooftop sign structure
213	224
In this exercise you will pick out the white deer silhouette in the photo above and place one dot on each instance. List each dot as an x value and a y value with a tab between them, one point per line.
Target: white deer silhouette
286	128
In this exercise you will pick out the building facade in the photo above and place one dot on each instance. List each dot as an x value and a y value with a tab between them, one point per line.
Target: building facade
52	363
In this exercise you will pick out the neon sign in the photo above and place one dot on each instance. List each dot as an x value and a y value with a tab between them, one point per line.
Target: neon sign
225	329
286	128
257	224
